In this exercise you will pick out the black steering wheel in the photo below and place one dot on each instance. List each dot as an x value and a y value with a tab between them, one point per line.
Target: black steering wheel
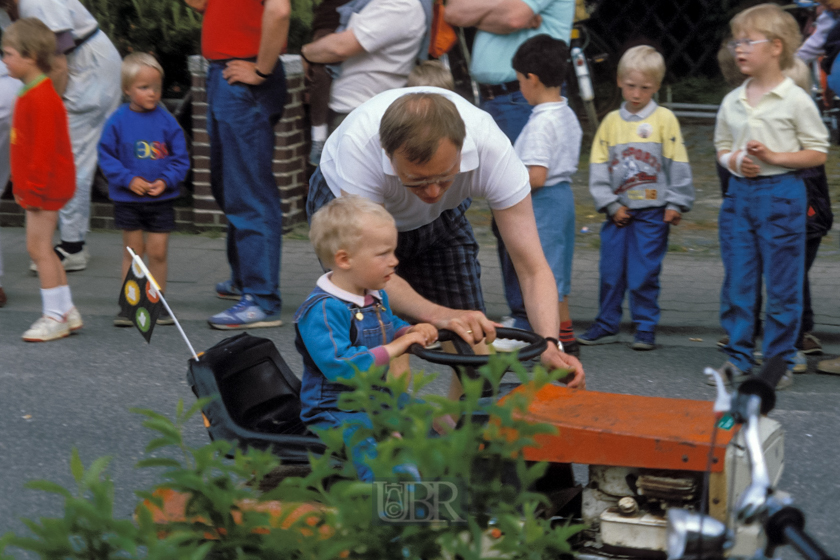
466	357
466	361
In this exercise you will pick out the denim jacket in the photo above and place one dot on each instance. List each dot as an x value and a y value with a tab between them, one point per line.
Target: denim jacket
336	338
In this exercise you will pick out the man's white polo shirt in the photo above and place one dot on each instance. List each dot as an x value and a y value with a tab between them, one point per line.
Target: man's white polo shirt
353	161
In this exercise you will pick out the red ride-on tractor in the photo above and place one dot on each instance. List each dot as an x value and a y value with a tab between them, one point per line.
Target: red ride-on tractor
645	455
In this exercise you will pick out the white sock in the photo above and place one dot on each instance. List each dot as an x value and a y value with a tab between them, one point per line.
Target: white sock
51	303
319	133
66	299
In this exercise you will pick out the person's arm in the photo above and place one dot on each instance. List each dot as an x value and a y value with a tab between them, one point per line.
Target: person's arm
679	191
112	166
468	13
501	16
178	161
197	5
325	331
472	326
810	132
275	33
814	46
539	290
537	175
792	160
59	74
332	48
600	176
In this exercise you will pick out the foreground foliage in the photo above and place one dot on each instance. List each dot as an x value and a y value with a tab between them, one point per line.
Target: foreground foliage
224	517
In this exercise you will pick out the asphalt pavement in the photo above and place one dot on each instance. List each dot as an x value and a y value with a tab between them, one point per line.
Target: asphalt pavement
77	392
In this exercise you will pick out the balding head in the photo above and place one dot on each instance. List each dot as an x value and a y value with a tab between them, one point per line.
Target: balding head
416	123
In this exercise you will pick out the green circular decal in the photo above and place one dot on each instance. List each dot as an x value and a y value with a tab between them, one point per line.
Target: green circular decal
143	319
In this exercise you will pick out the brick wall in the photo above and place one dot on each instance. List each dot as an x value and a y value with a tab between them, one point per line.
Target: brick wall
290	149
290	154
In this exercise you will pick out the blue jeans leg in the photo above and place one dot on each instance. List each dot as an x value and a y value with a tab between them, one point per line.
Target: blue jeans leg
782	246
613	268
768	236
812	245
727	313
725	220
647	242
744	275
240	122
511	112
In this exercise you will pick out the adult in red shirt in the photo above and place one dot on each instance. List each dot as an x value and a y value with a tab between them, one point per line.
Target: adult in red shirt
246	91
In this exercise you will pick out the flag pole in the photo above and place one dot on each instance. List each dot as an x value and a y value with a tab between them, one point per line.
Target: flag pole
142	265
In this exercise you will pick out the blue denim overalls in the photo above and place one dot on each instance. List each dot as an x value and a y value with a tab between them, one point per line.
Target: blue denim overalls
370	326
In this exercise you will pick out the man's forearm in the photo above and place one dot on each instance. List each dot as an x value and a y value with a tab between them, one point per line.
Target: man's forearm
468	13
333	48
410	305
539	293
494	16
275	33
508	17
59	74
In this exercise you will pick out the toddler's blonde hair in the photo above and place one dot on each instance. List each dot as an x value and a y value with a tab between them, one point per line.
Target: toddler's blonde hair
800	74
644	59
340	224
431	73
133	63
774	23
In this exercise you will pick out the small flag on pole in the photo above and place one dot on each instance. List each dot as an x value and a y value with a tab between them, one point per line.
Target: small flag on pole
140	299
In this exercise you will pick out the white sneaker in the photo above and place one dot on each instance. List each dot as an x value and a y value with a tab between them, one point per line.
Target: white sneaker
46	328
785	381
70	261
74	319
507	344
508	321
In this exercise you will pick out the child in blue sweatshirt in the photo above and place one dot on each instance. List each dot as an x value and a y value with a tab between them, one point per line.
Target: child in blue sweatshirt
143	154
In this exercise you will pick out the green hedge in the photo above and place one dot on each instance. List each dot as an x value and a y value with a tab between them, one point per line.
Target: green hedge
172	31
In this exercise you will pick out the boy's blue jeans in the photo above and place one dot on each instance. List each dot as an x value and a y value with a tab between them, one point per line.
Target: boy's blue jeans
240	123
764	221
511	112
631	260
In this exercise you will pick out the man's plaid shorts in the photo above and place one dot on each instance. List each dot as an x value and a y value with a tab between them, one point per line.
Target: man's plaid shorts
439	260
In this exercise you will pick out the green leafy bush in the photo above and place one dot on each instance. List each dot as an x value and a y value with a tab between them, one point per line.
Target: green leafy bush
501	520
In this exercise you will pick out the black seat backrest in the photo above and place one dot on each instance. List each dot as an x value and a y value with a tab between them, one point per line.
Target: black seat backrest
257	387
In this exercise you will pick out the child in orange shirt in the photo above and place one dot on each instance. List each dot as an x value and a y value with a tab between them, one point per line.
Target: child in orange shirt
43	174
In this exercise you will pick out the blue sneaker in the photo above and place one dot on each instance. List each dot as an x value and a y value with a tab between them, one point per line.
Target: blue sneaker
243	315
226	290
644	340
596	335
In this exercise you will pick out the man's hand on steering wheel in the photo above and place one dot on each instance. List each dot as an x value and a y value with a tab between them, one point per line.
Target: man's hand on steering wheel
553	358
472	326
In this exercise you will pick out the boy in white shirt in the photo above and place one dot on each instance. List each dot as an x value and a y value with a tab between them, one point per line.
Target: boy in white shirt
549	145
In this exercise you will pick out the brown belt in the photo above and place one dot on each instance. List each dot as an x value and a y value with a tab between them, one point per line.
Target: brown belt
493	91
